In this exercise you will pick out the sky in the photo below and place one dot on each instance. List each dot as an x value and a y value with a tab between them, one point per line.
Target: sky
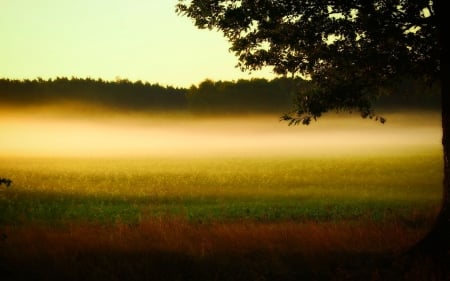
109	39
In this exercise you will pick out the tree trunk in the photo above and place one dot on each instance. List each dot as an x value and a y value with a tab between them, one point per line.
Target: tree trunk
438	240
434	248
444	216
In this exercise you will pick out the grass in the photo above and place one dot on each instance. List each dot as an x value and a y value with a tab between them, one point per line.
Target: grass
174	249
249	218
263	189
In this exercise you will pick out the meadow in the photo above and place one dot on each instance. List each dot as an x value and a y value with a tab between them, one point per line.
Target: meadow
279	211
400	187
233	208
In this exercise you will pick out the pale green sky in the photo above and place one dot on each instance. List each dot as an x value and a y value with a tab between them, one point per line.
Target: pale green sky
134	39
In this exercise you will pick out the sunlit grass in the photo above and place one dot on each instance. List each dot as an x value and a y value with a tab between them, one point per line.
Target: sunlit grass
402	186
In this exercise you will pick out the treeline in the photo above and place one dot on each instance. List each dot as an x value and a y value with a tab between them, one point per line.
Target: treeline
243	96
411	94
209	97
120	94
256	95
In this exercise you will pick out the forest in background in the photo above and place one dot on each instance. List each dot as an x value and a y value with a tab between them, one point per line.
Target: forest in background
209	97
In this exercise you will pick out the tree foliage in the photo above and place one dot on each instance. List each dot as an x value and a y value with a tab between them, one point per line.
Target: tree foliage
354	51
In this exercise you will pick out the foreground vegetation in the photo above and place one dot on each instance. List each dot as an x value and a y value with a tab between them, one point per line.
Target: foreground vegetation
400	186
175	249
249	218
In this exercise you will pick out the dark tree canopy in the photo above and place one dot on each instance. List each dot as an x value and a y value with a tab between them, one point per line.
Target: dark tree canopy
353	50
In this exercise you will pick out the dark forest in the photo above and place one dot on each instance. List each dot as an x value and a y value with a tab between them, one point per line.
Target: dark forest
209	97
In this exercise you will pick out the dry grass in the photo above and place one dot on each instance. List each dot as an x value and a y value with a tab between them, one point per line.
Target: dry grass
174	249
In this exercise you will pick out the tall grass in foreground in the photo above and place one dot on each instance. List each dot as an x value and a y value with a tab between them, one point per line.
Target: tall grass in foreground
174	249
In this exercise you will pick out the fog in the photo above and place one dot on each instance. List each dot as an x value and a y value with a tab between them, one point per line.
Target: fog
91	133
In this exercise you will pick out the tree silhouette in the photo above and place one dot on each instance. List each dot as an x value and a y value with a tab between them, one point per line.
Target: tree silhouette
353	51
5	181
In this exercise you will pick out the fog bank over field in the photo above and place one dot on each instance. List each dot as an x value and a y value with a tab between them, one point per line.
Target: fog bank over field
89	133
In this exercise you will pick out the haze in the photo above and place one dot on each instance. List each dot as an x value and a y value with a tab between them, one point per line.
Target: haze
47	133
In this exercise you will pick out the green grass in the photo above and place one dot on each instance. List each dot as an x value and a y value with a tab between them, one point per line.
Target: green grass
402	186
250	218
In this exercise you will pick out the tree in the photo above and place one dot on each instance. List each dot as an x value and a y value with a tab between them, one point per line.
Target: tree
353	51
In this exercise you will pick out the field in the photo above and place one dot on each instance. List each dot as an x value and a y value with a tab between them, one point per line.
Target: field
282	214
221	189
189	209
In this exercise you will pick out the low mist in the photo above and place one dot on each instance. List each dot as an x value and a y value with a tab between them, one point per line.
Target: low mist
93	132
